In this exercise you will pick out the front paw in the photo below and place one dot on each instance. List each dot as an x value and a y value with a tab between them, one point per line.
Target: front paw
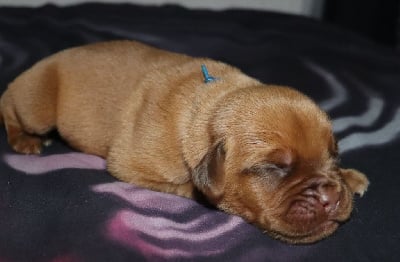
356	180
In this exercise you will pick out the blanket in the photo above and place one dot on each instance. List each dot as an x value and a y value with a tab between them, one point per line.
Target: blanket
64	206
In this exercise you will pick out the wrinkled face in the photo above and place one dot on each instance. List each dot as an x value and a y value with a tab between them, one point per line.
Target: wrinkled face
293	198
280	172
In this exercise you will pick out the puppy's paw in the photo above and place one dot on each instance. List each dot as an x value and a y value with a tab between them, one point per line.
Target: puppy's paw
356	180
26	144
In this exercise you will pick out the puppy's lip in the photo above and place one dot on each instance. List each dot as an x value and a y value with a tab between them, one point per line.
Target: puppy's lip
301	234
325	229
312	209
322	231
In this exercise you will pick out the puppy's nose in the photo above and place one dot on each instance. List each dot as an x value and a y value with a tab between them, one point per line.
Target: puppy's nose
328	197
325	193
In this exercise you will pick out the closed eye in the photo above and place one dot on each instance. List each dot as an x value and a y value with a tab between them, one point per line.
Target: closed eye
264	169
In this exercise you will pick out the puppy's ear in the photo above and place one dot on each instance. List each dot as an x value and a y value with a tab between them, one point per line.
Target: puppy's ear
356	180
209	175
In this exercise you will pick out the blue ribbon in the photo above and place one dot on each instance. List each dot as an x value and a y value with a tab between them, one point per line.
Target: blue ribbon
207	78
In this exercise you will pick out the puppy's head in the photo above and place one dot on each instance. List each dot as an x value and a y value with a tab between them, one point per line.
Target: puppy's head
274	162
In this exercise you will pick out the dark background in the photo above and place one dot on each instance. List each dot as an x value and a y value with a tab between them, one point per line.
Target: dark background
57	216
377	20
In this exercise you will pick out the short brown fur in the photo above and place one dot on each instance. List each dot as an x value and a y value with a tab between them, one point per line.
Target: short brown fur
263	152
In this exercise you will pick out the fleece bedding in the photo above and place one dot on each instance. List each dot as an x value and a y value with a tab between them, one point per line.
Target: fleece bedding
64	206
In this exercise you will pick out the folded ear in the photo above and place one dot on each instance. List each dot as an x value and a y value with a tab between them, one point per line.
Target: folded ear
209	175
356	180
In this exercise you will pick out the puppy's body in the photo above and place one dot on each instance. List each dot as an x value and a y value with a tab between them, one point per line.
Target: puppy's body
265	153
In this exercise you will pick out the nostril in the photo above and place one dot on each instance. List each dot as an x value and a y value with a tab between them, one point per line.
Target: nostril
328	197
324	199
324	194
328	206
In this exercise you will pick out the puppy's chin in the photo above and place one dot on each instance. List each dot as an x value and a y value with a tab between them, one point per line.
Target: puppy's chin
321	231
296	225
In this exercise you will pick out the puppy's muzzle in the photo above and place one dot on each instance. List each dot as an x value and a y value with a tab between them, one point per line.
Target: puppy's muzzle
316	204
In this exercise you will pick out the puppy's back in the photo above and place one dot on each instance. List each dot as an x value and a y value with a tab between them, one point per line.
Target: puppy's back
84	88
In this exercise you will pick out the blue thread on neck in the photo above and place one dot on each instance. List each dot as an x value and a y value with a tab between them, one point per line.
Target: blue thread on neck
207	78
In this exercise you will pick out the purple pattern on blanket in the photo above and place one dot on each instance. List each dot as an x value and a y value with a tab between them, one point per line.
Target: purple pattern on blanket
148	225
36	165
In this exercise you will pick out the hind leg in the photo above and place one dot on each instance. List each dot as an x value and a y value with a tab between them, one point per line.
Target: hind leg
28	111
20	138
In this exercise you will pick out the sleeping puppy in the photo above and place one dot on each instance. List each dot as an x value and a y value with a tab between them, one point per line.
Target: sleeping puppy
263	152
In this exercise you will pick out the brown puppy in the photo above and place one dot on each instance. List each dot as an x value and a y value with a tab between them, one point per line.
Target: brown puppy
262	152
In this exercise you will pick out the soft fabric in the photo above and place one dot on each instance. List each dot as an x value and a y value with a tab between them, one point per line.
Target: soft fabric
64	206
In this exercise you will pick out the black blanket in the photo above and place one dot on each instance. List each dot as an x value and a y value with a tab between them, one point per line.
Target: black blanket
64	206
